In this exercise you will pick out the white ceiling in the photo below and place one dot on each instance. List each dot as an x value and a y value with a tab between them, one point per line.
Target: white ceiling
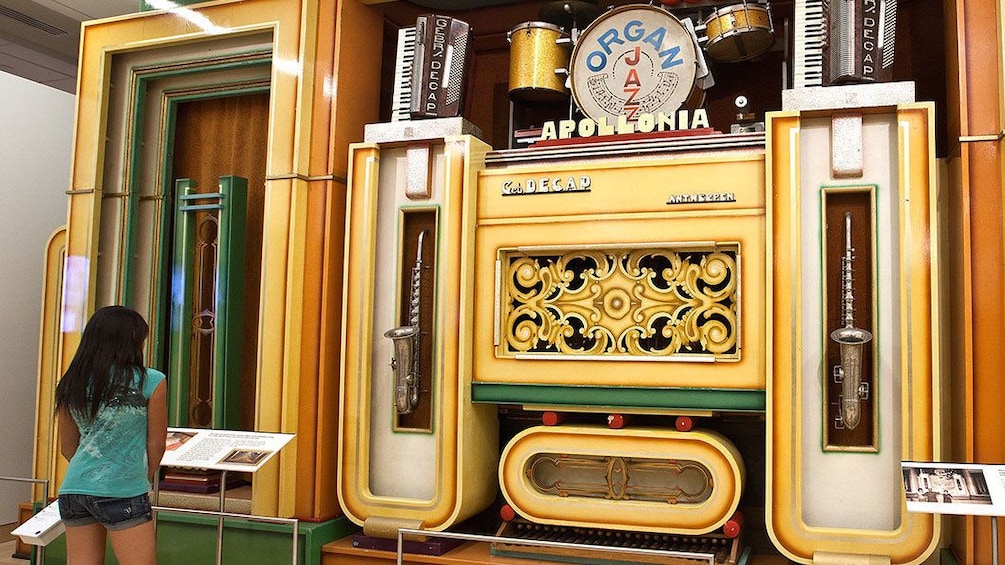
39	39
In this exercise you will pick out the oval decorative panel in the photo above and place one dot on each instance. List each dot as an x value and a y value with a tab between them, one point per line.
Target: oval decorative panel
646	479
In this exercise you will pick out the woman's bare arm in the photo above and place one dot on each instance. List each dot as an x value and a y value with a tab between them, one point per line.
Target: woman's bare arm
69	434
156	429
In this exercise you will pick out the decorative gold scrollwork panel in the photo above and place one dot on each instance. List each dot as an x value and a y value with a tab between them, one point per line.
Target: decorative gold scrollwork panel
660	302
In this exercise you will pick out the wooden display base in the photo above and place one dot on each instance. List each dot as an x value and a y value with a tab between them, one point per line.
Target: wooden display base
24	512
197	481
342	552
429	547
238	500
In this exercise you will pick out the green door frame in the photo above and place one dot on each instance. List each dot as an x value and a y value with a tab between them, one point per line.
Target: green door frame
230	203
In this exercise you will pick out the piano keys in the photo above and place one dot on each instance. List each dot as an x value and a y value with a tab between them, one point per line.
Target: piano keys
809	43
401	102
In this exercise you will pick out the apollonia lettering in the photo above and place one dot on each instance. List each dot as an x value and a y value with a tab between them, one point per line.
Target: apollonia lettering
644	123
545	185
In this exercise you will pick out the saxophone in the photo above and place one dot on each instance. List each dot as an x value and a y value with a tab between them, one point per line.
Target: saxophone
852	341
407	340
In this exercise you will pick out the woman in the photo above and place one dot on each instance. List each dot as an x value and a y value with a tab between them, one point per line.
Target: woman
112	428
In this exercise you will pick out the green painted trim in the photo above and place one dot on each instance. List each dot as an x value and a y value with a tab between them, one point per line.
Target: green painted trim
181	277
197	207
825	372
679	398
223	94
187	539
162	272
201	196
948	557
229	302
228	305
135	134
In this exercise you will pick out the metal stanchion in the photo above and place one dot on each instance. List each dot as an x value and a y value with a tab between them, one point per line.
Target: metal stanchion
250	517
706	557
994	540
40	551
219	523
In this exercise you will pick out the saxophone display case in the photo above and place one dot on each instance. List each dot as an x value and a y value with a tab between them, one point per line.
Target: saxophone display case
414	451
855	356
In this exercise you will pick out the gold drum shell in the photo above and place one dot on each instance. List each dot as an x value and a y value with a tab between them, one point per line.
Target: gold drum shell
535	56
737	33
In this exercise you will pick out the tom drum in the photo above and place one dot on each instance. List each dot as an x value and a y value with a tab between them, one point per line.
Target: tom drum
738	32
538	51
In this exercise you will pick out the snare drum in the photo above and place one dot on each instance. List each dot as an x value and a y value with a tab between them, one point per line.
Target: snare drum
739	32
635	60
535	55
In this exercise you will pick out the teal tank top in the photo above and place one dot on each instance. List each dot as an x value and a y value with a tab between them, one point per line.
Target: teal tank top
111	459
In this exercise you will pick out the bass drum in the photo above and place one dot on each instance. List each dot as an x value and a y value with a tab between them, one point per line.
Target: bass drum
635	60
739	32
538	50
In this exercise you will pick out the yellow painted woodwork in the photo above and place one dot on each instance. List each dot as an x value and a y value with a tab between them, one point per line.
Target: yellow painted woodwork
309	115
46	458
626	208
356	82
913	536
460	451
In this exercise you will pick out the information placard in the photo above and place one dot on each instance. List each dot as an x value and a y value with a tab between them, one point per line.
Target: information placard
41	528
221	450
970	489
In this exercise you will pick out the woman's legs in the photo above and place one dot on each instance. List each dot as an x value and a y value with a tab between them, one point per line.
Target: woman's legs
85	545
134	546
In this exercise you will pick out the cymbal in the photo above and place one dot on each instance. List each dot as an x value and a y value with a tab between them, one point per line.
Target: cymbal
565	13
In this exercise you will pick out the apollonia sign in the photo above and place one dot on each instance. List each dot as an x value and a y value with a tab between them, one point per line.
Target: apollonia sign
643	123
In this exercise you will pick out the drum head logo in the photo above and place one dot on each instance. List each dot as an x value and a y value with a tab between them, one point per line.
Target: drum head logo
632	61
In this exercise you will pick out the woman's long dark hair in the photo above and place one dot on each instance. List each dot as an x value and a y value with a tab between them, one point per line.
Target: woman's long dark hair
111	348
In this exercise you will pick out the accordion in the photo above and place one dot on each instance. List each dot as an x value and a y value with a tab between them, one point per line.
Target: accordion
860	39
431	65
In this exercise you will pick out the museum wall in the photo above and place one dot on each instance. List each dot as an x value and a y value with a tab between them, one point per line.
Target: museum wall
34	173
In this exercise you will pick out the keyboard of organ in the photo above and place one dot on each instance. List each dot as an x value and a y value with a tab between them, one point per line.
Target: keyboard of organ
591	544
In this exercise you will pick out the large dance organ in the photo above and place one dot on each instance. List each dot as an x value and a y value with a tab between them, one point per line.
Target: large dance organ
714	346
648	303
673	333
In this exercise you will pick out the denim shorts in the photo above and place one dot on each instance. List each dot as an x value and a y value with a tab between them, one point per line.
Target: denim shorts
112	513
